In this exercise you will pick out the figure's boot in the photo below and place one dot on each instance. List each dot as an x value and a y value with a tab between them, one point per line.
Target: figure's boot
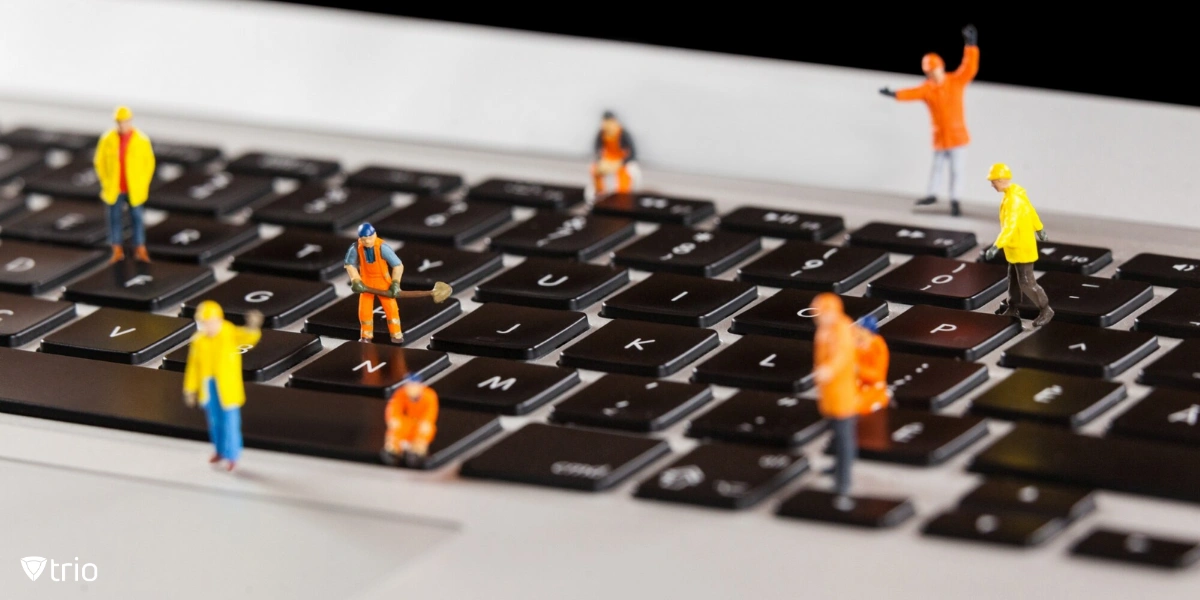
216	458
141	254
955	209
1044	316
926	201
118	254
1007	309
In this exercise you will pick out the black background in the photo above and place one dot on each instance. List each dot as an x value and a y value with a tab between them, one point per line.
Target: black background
1131	51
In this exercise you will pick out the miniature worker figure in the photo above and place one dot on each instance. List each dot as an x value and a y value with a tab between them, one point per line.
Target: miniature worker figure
124	163
411	416
943	93
615	167
214	375
1020	231
835	354
872	362
373	265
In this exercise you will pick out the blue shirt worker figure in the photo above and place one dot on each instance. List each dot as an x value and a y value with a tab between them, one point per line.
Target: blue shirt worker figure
373	265
214	376
124	164
1020	231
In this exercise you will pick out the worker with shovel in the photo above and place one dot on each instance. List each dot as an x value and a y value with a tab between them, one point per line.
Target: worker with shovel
375	272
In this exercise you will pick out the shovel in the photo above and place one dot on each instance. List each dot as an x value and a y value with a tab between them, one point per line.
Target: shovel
440	292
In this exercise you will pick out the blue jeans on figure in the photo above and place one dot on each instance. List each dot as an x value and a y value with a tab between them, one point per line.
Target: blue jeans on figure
115	229
224	426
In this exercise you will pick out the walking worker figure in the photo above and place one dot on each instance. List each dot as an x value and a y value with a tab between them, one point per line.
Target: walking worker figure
411	416
373	265
942	92
1020	231
214	374
124	164
614	168
835	366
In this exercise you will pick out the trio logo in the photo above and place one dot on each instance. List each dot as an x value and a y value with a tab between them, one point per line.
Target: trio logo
35	565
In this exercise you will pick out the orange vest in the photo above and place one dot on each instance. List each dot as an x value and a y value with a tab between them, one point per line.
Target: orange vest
836	347
945	102
872	375
612	147
417	419
378	274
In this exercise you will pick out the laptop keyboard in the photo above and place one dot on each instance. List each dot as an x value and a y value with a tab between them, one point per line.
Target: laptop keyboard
662	272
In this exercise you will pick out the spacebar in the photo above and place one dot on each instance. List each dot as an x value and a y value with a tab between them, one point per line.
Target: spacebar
1134	466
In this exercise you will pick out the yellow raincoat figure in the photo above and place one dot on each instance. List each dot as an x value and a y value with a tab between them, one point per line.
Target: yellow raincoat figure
124	164
214	375
1020	231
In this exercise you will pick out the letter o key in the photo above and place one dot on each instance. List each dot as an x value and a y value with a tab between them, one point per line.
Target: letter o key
259	296
809	312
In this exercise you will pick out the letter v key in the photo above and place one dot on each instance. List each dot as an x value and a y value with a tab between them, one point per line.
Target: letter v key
117	332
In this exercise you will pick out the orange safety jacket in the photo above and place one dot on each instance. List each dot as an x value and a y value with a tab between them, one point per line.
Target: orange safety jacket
412	421
618	147
836	347
945	101
872	375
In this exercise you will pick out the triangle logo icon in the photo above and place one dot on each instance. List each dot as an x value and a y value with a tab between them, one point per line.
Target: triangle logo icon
33	565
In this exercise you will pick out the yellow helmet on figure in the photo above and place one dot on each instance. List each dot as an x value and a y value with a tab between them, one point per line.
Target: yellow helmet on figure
209	310
122	114
999	171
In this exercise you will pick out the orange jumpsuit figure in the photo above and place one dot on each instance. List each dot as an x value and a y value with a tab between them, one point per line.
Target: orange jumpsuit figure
411	417
373	265
615	166
942	92
835	368
873	358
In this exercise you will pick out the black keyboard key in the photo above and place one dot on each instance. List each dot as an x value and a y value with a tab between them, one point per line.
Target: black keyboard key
11	206
639	348
274	418
300	254
215	195
185	155
16	161
289	167
70	222
916	437
1057	455
654	208
319	206
1178	368
1159	269
819	505
1080	350
24	319
906	239
760	363
418	317
1177	315
789	314
197	240
1048	397
76	179
941	282
440	221
565	457
810	266
726	476
509	331
404	180
281	301
929	382
527	193
761	418
1012	495
1138	548
676	249
367	369
36	268
425	265
782	224
947	332
548	283
680	300
558	235
140	286
1066	258
42	139
503	386
120	336
1163	415
1006	528
275	353
1089	300
631	403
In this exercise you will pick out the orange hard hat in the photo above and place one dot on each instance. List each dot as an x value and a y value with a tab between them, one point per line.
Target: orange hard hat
932	61
828	304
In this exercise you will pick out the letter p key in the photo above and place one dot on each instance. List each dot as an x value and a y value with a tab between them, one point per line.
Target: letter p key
944	327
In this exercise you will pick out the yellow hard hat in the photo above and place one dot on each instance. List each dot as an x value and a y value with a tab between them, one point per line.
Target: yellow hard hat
209	310
122	114
999	171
